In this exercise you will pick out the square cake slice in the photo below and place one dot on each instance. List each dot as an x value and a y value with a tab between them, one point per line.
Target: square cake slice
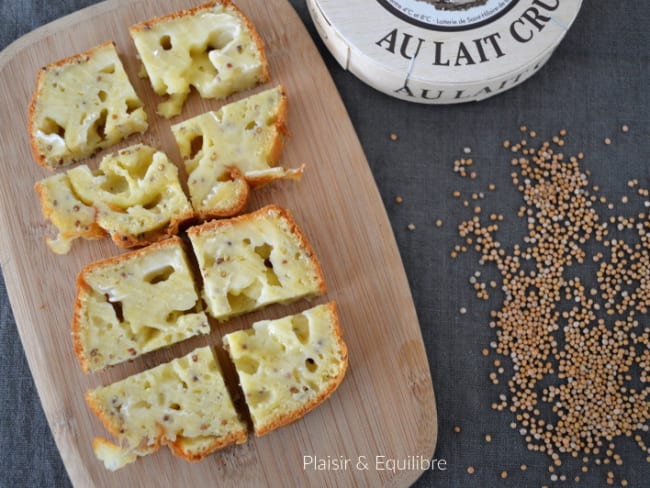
135	196
235	147
183	404
82	104
254	260
288	366
134	303
213	48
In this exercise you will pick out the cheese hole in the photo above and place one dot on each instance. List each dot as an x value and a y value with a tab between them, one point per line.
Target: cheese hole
110	69
248	365
100	124
240	302
153	203
196	145
132	105
117	308
149	334
251	125
50	126
257	397
311	365
300	327
159	275
102	95
175	406
166	42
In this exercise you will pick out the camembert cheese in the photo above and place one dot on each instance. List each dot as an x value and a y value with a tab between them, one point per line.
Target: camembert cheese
228	150
213	48
254	260
82	104
183	404
134	303
288	366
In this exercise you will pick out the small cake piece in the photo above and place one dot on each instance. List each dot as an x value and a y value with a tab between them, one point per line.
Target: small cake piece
233	148
72	217
254	260
288	366
82	104
135	196
134	303
183	404
213	48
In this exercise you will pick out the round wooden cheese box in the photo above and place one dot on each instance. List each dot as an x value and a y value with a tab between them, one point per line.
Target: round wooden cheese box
443	51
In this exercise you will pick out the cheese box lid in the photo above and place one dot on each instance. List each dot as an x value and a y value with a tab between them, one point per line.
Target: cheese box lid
442	51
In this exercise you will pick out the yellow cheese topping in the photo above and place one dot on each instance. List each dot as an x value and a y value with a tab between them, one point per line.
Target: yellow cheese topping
252	261
70	215
135	196
289	365
247	136
136	303
135	191
212	48
184	403
81	105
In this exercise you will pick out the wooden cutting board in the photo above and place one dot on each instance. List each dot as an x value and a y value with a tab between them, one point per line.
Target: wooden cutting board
384	407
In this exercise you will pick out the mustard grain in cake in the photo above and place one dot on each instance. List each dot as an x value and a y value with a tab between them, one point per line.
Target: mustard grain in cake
254	260
183	404
231	149
288	366
134	303
213	48
82	104
135	196
72	217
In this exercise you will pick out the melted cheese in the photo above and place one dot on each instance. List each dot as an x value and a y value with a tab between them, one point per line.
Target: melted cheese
70	215
183	402
286	365
212	48
135	191
253	261
246	135
136	303
84	104
135	195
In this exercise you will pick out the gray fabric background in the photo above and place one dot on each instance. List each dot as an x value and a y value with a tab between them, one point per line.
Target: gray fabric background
596	81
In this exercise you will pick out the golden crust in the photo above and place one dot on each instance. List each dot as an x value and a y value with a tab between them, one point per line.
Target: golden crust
83	289
217	443
127	241
75	58
289	417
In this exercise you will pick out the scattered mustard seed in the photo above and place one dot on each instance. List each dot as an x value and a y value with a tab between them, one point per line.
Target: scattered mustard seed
470	469
411	226
393	136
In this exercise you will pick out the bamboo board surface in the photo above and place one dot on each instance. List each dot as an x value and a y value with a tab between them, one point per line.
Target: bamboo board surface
385	405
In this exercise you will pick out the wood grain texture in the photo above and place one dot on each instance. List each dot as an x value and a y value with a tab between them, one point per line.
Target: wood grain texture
385	405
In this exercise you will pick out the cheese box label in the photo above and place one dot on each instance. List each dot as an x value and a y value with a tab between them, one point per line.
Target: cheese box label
443	51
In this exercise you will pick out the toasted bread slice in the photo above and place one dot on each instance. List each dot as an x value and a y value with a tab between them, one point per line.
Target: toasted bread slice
254	260
135	196
82	104
237	147
183	404
288	366
134	303
213	48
